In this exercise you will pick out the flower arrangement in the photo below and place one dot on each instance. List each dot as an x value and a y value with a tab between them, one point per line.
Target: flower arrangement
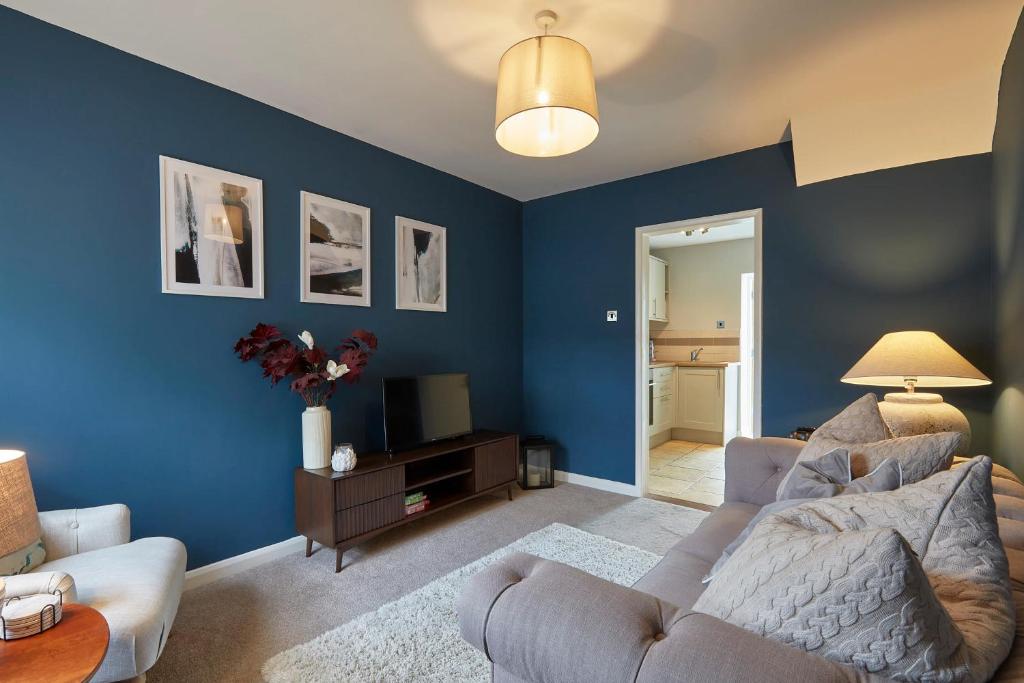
314	373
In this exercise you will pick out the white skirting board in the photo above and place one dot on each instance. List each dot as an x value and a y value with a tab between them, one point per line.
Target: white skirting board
201	576
595	483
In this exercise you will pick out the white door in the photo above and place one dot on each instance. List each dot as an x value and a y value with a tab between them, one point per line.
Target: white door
699	399
747	355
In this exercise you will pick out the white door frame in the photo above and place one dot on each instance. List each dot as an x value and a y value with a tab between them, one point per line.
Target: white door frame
642	332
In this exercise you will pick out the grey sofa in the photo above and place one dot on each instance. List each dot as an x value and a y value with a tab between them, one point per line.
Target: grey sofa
542	621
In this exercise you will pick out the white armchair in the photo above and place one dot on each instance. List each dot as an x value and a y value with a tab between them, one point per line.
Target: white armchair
135	585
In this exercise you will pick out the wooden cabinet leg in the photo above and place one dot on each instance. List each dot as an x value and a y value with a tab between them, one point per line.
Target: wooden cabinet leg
338	552
309	546
510	493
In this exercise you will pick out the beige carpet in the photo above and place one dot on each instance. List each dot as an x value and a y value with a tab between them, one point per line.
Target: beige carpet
227	629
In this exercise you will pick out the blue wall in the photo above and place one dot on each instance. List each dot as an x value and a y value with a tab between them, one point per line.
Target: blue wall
1008	201
121	393
844	262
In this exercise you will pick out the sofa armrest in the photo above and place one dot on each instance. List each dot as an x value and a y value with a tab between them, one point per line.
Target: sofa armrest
69	532
754	468
539	620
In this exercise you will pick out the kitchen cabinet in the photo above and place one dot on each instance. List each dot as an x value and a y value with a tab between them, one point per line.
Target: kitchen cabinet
657	289
662	400
706	400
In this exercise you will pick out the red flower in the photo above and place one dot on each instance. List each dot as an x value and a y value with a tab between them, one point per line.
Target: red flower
314	356
368	338
258	340
280	360
307	382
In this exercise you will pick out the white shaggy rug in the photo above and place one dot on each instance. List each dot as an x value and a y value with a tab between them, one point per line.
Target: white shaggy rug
416	638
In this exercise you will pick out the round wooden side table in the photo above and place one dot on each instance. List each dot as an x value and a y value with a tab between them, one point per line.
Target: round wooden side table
70	652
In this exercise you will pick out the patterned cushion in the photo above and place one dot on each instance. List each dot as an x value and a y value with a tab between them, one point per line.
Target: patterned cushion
825	477
801	570
920	456
24	559
859	422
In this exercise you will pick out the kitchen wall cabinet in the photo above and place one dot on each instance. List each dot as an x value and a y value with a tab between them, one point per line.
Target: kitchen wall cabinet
657	289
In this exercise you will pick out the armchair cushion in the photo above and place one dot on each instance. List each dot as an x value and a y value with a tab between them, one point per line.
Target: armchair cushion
23	559
69	532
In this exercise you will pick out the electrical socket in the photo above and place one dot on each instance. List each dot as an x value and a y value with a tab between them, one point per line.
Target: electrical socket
720	324
613	316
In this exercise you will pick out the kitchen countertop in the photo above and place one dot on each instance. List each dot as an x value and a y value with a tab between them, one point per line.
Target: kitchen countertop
691	364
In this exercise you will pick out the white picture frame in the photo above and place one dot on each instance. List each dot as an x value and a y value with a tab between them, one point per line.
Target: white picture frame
211	231
326	260
421	270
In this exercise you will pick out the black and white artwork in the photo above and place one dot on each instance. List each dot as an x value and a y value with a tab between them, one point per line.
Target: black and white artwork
420	266
211	231
335	251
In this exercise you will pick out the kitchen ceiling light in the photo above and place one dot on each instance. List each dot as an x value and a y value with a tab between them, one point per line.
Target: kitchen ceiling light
547	102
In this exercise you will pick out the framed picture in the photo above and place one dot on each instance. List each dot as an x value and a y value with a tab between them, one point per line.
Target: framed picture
335	251
211	231
421	269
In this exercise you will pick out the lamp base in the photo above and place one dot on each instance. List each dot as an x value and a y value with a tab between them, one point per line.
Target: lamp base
909	414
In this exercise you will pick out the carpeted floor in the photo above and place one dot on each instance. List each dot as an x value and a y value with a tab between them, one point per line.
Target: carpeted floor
227	629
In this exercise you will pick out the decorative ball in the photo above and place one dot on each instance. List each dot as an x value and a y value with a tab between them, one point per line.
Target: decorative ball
344	458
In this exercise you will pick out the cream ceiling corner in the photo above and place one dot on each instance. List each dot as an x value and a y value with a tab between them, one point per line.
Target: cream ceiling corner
867	84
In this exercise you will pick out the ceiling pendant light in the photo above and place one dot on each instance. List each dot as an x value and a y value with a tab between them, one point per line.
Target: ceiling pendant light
547	104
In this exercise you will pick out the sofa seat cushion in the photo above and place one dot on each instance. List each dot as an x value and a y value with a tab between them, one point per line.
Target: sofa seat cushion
136	587
676	579
718	530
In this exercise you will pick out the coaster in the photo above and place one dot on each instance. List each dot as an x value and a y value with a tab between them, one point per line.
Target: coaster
29	615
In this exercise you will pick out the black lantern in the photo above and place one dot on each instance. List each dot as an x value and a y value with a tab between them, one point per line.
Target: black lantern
536	463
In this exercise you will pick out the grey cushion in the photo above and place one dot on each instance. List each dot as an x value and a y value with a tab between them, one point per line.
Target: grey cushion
832	475
859	422
828	476
948	521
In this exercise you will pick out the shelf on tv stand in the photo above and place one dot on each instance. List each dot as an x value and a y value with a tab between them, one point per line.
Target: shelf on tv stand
342	509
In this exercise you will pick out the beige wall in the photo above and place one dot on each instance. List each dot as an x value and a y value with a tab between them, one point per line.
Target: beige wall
704	286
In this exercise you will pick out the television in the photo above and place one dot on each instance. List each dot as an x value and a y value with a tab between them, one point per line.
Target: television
418	410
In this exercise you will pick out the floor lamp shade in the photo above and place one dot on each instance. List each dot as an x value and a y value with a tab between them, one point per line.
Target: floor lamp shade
19	519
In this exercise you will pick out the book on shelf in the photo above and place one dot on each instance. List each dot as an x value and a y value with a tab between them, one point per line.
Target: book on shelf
414	498
417	507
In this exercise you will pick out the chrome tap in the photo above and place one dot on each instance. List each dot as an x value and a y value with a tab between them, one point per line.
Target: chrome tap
694	355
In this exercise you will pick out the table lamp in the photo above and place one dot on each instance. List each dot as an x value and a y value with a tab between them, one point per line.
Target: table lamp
19	521
911	360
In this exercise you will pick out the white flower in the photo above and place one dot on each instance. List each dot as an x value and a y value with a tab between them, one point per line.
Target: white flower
336	370
307	339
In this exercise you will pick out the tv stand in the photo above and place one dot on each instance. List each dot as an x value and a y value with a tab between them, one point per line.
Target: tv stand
342	509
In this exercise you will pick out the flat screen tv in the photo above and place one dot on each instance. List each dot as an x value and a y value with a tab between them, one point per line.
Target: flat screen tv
418	410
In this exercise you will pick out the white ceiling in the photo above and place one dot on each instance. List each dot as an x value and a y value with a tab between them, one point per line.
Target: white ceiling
717	232
678	80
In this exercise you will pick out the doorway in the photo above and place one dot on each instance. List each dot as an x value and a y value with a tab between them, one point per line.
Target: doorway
698	352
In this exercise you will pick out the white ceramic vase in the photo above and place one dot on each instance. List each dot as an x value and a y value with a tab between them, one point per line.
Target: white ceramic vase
316	437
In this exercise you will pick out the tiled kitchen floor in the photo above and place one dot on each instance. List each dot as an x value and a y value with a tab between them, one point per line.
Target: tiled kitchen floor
688	471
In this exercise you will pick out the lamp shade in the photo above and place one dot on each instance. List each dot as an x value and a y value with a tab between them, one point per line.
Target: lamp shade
914	358
547	103
19	520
